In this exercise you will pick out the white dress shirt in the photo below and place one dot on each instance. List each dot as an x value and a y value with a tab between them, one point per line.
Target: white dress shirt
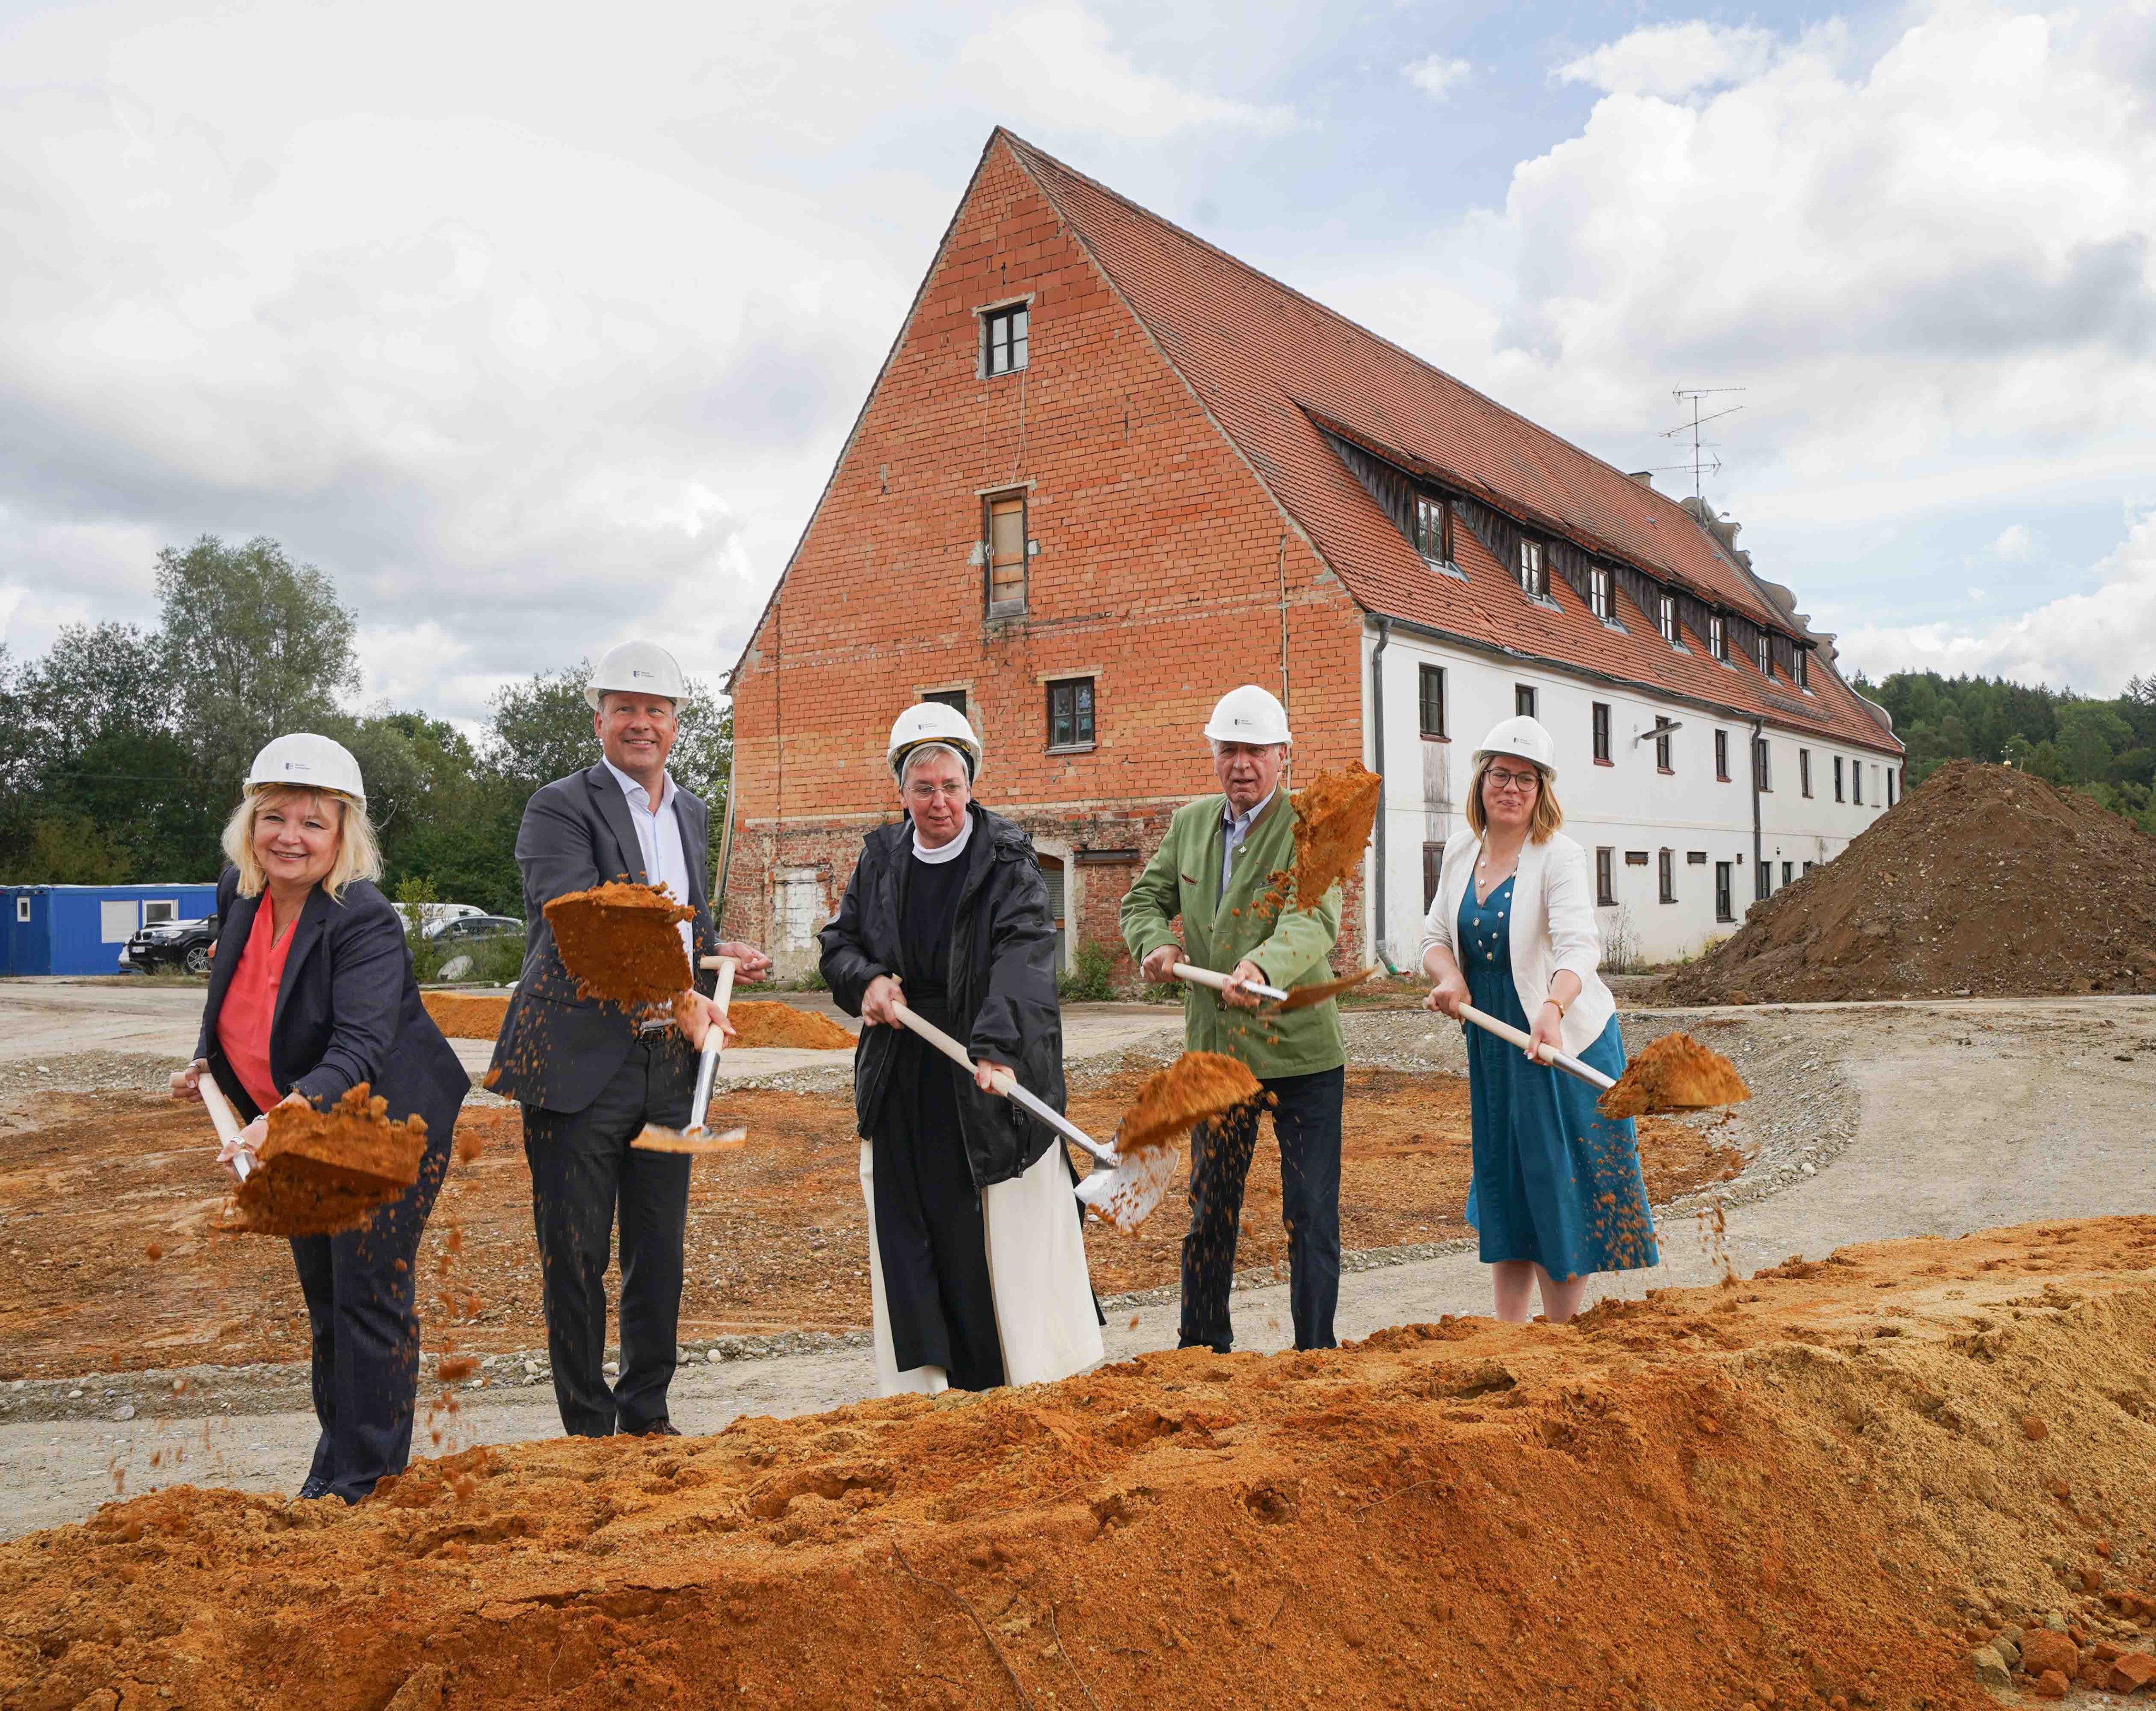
664	852
1235	827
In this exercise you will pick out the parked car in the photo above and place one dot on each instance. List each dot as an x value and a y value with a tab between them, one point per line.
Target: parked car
433	916
172	944
471	928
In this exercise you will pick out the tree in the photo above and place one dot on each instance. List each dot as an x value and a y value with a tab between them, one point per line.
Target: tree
254	646
540	729
2089	733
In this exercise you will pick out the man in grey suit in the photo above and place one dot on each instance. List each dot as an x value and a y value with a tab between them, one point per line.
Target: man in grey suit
589	1075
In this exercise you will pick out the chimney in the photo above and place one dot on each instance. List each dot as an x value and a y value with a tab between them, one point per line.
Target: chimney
1646	478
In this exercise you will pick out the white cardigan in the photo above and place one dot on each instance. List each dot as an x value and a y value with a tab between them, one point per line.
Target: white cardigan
1553	927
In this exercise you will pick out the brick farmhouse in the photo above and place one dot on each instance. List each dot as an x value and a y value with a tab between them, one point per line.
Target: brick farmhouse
1107	472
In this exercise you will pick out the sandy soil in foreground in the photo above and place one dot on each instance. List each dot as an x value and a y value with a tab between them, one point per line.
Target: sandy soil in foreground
1819	1488
109	1268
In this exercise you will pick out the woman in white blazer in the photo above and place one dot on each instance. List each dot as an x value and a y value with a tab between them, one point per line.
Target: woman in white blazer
1557	1193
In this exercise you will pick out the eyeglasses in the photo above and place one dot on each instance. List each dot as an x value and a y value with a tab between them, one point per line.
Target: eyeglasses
1522	782
926	793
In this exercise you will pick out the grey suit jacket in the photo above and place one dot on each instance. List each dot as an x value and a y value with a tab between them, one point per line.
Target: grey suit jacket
556	1049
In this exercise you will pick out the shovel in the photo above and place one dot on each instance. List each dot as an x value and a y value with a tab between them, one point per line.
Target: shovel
1289	997
1547	1054
1128	1189
698	1137
1675	1073
223	1116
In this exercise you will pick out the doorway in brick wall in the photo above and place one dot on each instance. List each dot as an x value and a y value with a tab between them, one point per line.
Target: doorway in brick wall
800	908
1053	872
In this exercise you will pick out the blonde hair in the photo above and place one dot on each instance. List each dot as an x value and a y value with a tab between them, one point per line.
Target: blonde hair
358	856
1547	816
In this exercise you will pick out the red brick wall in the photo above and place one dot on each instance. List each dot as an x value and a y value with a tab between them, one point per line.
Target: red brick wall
1158	572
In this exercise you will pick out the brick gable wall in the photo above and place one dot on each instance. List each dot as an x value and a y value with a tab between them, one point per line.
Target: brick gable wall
1159	570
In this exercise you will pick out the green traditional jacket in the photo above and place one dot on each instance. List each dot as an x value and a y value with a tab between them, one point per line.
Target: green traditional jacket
1221	929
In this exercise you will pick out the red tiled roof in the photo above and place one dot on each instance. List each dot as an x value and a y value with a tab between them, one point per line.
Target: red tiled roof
1269	364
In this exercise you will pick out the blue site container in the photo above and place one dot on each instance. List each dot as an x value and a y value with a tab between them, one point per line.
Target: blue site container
81	929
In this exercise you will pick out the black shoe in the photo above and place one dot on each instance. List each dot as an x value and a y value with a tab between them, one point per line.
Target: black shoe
661	1427
315	1487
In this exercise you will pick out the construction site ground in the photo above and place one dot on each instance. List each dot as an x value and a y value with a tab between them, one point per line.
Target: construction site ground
118	1370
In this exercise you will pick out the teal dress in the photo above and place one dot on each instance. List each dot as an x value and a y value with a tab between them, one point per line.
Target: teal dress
1555	1181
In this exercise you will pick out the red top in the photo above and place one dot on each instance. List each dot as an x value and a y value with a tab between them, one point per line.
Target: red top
250	1005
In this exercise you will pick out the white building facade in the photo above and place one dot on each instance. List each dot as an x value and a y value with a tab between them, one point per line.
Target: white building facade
1666	810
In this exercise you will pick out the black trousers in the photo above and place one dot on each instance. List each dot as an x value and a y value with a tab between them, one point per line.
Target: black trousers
1306	1123
361	1289
584	1171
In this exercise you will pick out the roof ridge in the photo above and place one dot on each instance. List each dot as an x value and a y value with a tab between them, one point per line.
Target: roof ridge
1023	146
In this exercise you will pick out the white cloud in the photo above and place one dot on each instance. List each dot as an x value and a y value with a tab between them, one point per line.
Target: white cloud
1437	76
1057	64
2092	642
1671	59
2013	542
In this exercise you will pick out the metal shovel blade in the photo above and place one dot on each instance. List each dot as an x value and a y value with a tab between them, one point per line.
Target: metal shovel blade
1125	1194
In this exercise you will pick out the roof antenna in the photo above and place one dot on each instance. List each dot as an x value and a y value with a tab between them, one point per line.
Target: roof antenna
1702	453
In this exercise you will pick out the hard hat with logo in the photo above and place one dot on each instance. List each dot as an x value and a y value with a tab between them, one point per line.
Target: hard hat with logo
1523	738
1248	714
307	762
637	668
928	722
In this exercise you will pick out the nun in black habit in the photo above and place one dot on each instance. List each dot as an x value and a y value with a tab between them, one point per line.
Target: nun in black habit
976	1256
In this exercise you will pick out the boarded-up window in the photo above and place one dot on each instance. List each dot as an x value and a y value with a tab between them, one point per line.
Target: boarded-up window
800	908
116	922
1006	552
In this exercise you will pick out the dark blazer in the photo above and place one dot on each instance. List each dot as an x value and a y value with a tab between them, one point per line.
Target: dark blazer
1001	983
347	1009
556	1050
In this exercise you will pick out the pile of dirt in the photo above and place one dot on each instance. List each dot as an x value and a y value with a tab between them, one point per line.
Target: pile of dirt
1674	1073
467	1016
768	1022
1197	1087
1333	814
320	1171
1845	1483
619	944
110	1268
1983	881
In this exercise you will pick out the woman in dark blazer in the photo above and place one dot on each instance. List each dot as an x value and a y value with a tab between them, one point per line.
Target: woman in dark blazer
311	993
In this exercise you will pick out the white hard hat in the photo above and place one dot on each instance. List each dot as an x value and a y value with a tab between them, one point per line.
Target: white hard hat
928	722
307	762
640	668
1248	714
1525	739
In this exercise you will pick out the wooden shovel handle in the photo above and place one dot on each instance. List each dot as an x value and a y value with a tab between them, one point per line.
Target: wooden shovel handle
1002	1080
222	1116
1545	1051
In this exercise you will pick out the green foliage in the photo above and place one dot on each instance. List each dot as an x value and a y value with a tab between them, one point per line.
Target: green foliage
122	750
1090	977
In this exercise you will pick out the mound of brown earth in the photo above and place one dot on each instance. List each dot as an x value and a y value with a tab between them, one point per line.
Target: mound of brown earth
618	941
1198	1086
1825	1487
767	1022
1983	881
1674	1073
467	1016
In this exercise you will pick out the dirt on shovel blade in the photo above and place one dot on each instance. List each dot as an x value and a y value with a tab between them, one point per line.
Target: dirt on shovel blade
1675	1073
618	943
1302	997
1197	1087
655	1139
321	1172
1333	814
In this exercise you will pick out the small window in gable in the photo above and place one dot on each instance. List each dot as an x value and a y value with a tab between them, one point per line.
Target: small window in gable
1006	567
1433	529
1665	616
1534	579
1004	340
1717	635
1601	592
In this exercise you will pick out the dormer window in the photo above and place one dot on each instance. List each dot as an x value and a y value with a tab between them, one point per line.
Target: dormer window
1004	340
1601	592
1433	529
1717	635
1534	579
1665	617
1800	667
1766	656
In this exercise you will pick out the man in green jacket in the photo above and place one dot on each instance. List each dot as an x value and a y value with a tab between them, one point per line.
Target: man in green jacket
1222	869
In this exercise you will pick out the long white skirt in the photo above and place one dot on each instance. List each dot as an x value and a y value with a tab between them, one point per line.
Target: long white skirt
1044	1295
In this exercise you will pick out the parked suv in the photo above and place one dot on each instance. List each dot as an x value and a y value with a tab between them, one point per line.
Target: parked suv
172	944
474	927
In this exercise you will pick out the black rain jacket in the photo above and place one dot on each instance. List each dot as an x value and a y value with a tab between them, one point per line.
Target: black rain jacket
1001	982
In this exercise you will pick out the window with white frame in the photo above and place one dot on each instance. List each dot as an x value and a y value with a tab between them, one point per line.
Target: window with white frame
1665	616
1717	635
1800	668
1601	592
1433	525
1765	654
1534	578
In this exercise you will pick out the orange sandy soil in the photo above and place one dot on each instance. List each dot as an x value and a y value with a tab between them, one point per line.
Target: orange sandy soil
105	1264
477	1015
1815	1489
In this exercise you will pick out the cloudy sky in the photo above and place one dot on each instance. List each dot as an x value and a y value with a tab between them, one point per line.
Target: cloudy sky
536	326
